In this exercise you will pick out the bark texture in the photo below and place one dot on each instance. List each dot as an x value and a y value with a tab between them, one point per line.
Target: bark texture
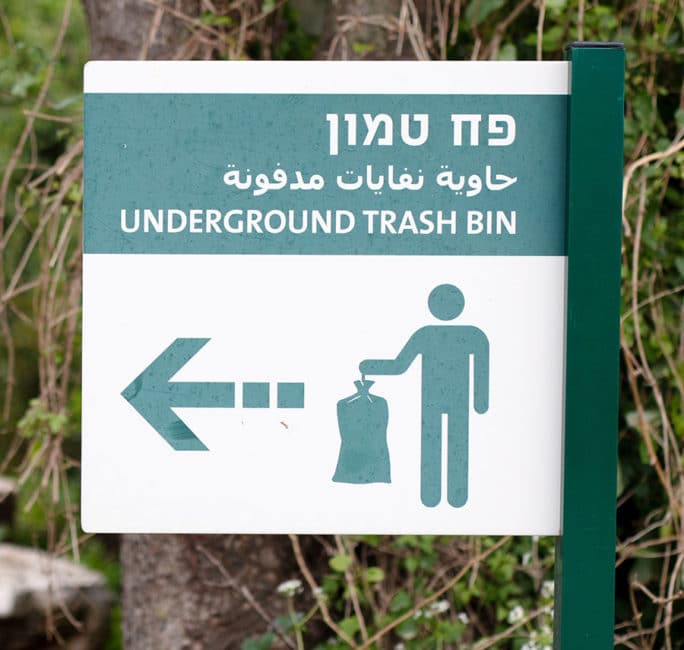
137	29
175	596
362	29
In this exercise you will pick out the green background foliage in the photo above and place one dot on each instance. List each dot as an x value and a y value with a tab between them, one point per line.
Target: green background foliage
371	583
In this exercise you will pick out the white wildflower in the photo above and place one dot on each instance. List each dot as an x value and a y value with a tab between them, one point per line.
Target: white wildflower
463	617
435	608
526	558
289	588
516	615
547	589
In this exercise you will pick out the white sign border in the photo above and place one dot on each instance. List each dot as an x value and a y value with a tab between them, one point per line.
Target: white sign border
329	77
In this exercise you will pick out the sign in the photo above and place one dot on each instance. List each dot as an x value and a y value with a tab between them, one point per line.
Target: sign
443	237
324	297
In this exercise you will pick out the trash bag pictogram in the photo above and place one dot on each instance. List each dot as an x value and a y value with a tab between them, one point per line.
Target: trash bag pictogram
362	420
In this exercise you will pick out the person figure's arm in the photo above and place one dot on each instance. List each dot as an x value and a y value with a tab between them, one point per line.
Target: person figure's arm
481	372
392	366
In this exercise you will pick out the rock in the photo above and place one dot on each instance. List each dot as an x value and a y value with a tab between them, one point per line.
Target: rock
8	491
35	586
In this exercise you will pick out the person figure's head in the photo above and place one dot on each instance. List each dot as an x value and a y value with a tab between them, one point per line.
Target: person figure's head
446	302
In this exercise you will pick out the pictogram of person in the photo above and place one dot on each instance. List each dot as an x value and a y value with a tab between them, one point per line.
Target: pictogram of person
446	351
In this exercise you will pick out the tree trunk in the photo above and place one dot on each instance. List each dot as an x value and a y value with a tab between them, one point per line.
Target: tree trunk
366	30
201	592
137	29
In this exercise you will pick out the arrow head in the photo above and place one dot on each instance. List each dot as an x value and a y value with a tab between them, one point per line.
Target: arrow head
153	395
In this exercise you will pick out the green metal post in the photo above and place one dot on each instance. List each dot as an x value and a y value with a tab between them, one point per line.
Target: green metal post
585	559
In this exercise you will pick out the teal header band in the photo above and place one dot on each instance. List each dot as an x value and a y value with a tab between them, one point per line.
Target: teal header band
325	174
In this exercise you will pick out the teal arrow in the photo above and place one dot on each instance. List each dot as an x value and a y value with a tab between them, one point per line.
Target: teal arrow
153	395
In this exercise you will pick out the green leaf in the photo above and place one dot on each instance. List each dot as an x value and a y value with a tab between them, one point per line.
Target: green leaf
375	574
478	10
56	422
679	263
406	541
508	52
401	601
408	630
644	570
209	18
340	563
642	104
556	5
284	622
449	631
23	83
349	625
362	48
679	118
553	38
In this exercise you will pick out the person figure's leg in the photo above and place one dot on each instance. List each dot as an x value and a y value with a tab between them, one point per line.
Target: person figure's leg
431	456
457	457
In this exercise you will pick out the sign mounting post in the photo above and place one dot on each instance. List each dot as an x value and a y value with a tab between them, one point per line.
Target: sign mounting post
585	559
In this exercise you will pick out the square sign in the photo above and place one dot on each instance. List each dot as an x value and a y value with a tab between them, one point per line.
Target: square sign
324	297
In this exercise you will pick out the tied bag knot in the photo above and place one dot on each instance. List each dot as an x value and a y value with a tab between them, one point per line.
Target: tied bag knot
362	388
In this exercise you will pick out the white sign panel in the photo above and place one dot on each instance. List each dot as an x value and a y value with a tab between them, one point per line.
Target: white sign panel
324	307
